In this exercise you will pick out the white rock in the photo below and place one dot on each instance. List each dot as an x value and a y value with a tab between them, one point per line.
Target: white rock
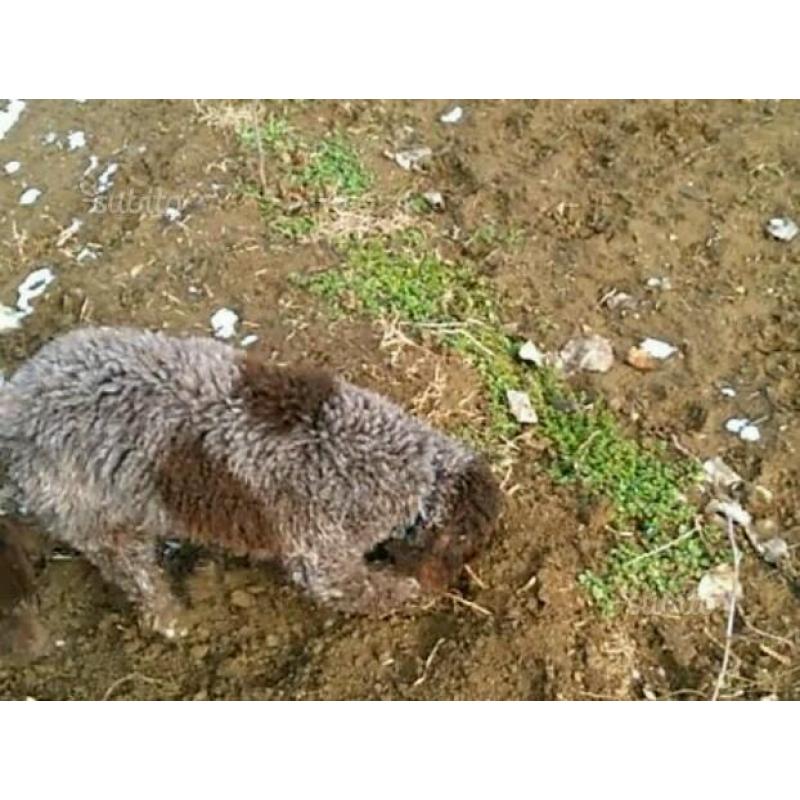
658	349
782	228
619	300
411	159
223	323
248	340
750	433
520	406
663	283
452	116
730	509
530	352
434	200
717	586
727	391
32	287
587	353
10	167
76	140
775	550
10	318
172	214
742	427
30	196
735	425
719	474
10	116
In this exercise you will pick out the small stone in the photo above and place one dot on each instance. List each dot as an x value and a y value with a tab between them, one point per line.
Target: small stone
735	425
742	427
10	318
248	340
531	353
662	283
730	510
452	116
727	391
782	228
658	349
434	200
587	354
750	433
617	300
223	323
9	116
76	140
242	599
412	159
775	550
720	475
520	406
10	167
30	196
638	359
717	586
763	494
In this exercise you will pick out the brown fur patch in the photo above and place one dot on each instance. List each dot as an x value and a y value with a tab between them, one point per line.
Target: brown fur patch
212	504
437	561
476	509
283	396
16	571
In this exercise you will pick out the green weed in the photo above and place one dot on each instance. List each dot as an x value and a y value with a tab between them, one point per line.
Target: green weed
647	490
318	172
334	167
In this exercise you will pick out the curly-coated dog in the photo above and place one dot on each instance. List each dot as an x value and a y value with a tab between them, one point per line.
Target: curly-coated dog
115	438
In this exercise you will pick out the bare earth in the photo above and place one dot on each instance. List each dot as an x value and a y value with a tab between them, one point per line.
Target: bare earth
593	196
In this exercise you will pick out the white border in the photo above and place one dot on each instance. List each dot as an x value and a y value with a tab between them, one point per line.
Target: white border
350	48
397	750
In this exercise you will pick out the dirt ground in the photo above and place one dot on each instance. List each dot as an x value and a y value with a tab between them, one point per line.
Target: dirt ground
589	197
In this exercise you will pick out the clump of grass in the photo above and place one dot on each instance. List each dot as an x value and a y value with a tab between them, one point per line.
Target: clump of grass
334	166
491	235
275	133
292	226
317	172
647	490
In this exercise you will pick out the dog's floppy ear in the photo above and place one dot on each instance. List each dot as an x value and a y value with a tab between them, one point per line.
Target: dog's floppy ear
283	396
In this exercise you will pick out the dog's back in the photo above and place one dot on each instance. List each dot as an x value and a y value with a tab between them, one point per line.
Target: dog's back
116	436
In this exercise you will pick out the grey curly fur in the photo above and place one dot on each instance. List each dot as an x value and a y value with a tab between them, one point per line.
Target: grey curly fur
115	437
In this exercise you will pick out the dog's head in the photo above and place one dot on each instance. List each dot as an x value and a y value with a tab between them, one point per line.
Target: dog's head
455	522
